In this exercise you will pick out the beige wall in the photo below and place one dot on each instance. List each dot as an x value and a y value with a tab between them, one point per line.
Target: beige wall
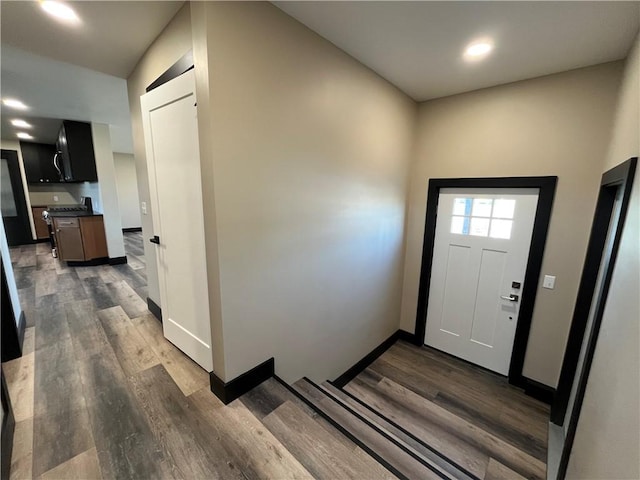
555	125
607	442
171	44
127	184
108	191
305	156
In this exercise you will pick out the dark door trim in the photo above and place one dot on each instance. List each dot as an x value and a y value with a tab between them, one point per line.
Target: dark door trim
17	229
8	428
547	188
620	177
12	329
183	65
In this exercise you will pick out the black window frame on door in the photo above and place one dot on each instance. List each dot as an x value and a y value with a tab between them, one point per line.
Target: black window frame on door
617	180
25	234
546	187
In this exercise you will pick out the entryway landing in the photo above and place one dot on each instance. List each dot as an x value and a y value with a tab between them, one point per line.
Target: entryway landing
472	416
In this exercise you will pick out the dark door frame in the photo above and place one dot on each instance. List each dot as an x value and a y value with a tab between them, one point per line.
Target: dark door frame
547	188
620	177
8	428
20	200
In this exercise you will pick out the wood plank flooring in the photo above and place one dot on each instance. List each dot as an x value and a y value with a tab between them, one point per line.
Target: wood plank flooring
100	393
472	416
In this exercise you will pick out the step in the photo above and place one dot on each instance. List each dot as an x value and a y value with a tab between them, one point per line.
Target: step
322	449
397	457
463	442
429	454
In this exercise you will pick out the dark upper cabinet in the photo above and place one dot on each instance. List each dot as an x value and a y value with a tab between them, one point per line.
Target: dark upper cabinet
76	158
38	162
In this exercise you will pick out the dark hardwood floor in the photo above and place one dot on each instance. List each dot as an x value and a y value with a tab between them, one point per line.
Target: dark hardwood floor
470	415
100	393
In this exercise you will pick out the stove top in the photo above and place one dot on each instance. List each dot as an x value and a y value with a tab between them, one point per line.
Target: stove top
67	208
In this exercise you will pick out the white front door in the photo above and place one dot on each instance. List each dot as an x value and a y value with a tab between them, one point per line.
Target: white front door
480	256
173	161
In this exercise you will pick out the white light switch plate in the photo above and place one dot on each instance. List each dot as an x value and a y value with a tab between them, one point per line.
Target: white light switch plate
55	198
549	282
143	206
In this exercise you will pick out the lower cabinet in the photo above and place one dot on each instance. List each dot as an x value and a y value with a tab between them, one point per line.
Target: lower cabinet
42	230
80	239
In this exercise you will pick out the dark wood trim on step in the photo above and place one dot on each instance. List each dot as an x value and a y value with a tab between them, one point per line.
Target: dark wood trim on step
42	240
131	229
547	188
407	433
229	391
8	428
117	260
369	358
184	64
155	309
343	430
373	426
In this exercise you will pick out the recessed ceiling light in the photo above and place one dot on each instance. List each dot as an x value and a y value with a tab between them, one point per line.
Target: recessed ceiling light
13	103
24	135
478	49
60	11
20	123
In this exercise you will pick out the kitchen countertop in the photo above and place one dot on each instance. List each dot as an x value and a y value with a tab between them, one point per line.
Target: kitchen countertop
74	214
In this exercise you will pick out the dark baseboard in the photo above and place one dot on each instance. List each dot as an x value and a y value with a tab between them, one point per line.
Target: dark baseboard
131	229
117	260
155	309
406	336
368	359
89	263
42	240
229	391
538	390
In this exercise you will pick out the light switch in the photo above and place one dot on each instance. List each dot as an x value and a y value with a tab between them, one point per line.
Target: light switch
143	206
549	282
55	198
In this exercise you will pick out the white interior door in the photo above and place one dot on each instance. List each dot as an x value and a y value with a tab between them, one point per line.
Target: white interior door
173	161
480	256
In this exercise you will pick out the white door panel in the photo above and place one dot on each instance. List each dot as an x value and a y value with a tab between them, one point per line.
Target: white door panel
481	246
173	162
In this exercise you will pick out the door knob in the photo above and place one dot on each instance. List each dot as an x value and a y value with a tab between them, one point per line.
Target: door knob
155	239
511	298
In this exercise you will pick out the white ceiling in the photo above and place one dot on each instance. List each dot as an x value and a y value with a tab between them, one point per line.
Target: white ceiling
57	90
110	38
415	45
76	72
418	46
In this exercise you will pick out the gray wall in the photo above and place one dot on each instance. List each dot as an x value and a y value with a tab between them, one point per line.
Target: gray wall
554	125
